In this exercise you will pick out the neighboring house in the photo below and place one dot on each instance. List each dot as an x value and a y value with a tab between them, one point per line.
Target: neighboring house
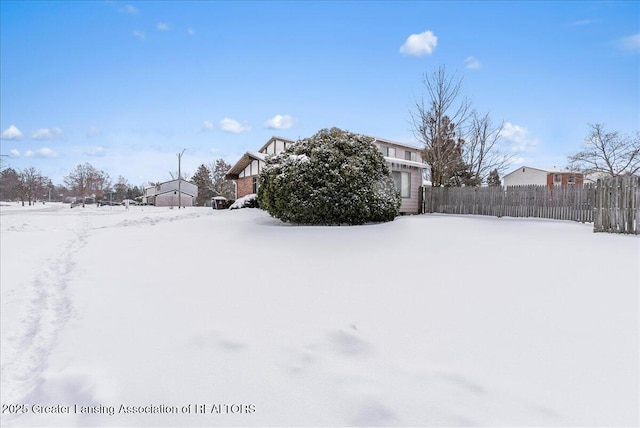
526	176
166	194
404	161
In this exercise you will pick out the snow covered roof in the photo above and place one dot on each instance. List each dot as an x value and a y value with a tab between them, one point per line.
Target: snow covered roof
395	143
274	138
245	160
170	181
547	170
405	162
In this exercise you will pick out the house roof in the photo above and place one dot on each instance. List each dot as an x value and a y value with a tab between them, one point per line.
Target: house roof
244	161
170	181
272	139
172	191
547	170
248	157
405	162
395	143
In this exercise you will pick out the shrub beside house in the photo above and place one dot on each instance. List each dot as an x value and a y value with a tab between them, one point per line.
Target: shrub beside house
404	161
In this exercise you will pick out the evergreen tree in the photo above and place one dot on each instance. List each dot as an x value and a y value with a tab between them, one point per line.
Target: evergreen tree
494	179
121	188
202	179
221	186
334	177
9	185
134	192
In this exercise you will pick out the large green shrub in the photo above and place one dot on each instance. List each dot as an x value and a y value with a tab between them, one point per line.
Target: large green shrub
334	177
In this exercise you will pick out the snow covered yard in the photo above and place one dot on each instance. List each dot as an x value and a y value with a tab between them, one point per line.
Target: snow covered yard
429	320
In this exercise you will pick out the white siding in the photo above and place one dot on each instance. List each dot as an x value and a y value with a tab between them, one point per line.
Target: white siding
526	176
271	148
171	200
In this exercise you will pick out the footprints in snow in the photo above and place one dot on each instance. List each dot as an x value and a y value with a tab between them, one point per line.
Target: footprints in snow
152	221
46	313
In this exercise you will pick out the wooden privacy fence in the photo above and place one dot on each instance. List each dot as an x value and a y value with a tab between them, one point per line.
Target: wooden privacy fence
617	205
612	205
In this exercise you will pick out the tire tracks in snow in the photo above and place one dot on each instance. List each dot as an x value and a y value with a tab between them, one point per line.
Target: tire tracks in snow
46	312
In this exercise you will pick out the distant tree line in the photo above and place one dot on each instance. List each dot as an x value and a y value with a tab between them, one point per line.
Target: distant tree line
85	181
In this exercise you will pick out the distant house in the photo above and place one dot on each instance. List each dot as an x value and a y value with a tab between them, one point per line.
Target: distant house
166	194
526	176
404	161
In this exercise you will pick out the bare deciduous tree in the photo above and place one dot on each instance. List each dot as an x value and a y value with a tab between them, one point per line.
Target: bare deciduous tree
31	184
607	152
482	152
85	181
439	120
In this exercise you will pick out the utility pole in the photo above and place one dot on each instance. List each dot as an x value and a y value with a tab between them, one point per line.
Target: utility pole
180	179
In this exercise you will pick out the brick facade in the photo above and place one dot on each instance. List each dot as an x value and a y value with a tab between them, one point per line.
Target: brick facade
244	186
577	179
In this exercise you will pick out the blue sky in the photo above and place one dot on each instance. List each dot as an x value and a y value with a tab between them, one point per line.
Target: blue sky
126	86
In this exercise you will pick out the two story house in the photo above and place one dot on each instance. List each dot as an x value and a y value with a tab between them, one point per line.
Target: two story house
404	161
166	194
526	176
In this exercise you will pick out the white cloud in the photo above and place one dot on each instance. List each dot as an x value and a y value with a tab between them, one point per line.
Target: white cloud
98	151
207	125
472	63
162	26
583	22
11	133
139	34
631	43
46	134
93	131
191	31
419	44
129	10
233	126
15	153
280	121
43	152
518	138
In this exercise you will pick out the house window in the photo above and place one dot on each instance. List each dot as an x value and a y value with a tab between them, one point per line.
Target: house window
255	184
557	178
571	179
407	155
402	180
391	152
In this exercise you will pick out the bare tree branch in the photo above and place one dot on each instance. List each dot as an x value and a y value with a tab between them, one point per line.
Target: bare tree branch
607	152
439	123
